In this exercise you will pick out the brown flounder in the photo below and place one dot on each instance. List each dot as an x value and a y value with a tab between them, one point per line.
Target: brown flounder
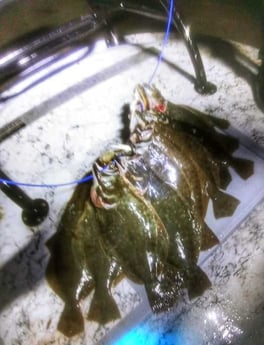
78	265
134	235
207	168
64	274
202	126
185	231
90	255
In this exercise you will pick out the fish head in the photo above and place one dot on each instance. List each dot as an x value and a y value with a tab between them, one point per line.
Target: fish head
109	173
147	108
148	98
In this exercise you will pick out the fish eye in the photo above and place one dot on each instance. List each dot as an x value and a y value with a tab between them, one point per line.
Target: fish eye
111	166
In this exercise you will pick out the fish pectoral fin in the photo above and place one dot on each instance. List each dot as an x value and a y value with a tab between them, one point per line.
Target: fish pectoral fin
198	282
103	308
243	167
224	205
71	320
209	239
229	143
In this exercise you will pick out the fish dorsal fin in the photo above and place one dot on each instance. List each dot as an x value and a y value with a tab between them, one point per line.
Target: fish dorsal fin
209	239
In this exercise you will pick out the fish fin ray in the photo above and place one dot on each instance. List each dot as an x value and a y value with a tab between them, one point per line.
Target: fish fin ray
103	310
163	294
243	167
209	239
229	143
198	282
224	205
71	321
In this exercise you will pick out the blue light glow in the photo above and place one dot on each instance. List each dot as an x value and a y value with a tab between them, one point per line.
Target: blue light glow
144	335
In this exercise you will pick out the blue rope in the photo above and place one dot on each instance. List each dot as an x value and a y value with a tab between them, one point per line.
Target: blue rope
43	185
165	40
90	177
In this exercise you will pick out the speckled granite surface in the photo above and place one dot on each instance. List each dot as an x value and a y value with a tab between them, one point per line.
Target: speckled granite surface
73	117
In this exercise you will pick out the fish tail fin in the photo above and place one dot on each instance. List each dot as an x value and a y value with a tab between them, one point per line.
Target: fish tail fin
224	204
103	309
198	282
243	167
161	299
164	293
71	321
209	239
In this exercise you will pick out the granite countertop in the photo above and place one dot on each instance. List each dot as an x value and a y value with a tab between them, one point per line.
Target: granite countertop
71	118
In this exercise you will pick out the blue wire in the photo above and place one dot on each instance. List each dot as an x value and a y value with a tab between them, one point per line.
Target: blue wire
52	185
90	177
165	40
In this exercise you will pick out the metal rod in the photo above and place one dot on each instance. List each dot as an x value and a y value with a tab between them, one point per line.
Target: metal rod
34	210
90	27
202	86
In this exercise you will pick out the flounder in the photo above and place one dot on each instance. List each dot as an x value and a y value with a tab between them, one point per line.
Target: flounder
186	234
201	126
78	264
134	234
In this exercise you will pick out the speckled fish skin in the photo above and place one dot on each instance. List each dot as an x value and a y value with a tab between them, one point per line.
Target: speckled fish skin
206	167
183	229
217	145
143	213
146	179
157	125
78	265
169	163
64	274
202	125
182	165
135	236
199	125
153	100
89	253
161	157
186	148
168	203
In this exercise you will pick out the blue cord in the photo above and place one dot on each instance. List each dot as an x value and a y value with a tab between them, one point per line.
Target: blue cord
52	185
165	40
90	177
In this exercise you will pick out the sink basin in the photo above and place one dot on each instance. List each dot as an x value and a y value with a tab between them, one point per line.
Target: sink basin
63	124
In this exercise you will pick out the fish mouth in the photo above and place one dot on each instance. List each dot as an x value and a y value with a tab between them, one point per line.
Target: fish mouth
105	171
149	98
112	162
102	192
